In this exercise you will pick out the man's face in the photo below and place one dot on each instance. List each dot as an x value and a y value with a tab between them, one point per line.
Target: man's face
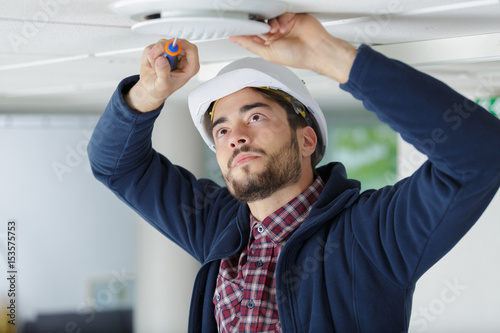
256	150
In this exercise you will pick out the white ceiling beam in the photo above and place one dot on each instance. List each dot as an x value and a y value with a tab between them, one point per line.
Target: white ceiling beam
395	10
466	49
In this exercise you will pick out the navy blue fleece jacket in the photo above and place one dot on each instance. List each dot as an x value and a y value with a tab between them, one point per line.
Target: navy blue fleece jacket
353	264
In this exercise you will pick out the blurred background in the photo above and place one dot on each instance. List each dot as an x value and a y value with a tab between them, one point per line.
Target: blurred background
86	263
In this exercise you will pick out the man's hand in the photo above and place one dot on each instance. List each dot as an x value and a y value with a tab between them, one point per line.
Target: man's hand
156	81
299	40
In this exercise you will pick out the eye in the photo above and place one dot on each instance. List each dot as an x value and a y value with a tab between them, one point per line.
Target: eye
220	132
256	117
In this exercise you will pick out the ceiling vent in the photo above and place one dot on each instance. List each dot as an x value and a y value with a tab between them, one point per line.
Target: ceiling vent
200	19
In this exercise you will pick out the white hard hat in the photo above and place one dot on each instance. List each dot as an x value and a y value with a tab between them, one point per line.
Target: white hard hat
254	72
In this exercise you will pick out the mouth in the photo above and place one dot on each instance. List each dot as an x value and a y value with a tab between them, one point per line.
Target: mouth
243	158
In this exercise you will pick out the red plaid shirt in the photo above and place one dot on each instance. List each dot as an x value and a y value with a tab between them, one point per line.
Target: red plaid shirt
245	296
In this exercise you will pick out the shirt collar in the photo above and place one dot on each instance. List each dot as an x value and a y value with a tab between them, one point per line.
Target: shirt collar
283	222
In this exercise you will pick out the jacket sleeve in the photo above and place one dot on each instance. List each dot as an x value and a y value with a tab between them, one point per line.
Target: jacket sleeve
420	218
169	197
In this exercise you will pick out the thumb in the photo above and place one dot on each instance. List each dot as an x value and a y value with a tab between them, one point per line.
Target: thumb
163	74
158	82
253	44
162	67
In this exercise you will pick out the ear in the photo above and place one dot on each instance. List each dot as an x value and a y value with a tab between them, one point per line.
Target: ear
308	142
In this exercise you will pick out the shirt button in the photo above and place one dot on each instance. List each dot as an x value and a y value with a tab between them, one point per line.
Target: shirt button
251	304
259	263
217	297
260	229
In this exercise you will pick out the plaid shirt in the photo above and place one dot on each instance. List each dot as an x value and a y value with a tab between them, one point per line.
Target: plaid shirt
245	296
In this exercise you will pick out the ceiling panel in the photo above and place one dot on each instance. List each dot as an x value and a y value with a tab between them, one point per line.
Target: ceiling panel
387	28
84	12
66	39
69	55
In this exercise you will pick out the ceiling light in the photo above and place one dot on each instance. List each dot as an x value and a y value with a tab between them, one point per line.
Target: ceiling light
200	19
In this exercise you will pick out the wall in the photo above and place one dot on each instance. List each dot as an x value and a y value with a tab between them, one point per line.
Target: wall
71	231
460	293
166	273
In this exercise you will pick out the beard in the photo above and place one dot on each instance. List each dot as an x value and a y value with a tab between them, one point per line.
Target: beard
282	168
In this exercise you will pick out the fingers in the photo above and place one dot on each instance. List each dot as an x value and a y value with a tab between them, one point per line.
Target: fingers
151	52
276	45
157	80
157	50
291	40
286	22
145	62
253	44
282	24
274	24
154	67
280	27
189	63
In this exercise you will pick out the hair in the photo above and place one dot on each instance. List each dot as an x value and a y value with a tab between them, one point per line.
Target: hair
296	121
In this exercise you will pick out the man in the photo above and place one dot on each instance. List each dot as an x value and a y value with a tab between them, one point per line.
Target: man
288	247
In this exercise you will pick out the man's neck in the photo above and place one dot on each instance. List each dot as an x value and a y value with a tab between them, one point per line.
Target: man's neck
263	208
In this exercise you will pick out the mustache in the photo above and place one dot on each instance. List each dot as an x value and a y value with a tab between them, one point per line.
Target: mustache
243	149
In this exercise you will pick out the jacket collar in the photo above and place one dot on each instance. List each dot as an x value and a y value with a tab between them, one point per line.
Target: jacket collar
337	185
338	193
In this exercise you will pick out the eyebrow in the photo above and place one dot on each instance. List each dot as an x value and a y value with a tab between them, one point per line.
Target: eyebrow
243	109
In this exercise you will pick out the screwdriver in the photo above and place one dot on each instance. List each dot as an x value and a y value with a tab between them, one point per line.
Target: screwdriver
172	49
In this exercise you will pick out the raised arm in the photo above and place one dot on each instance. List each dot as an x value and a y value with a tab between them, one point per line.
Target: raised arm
422	217
156	81
121	155
406	228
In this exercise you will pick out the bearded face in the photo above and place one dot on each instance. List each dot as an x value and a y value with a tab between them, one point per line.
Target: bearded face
281	168
257	150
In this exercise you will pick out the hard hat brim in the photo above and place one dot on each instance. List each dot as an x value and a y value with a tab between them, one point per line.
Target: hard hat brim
228	82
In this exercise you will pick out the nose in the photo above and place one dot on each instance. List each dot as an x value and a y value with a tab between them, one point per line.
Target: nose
239	137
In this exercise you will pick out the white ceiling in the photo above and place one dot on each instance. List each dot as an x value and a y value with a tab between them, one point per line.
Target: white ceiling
68	55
